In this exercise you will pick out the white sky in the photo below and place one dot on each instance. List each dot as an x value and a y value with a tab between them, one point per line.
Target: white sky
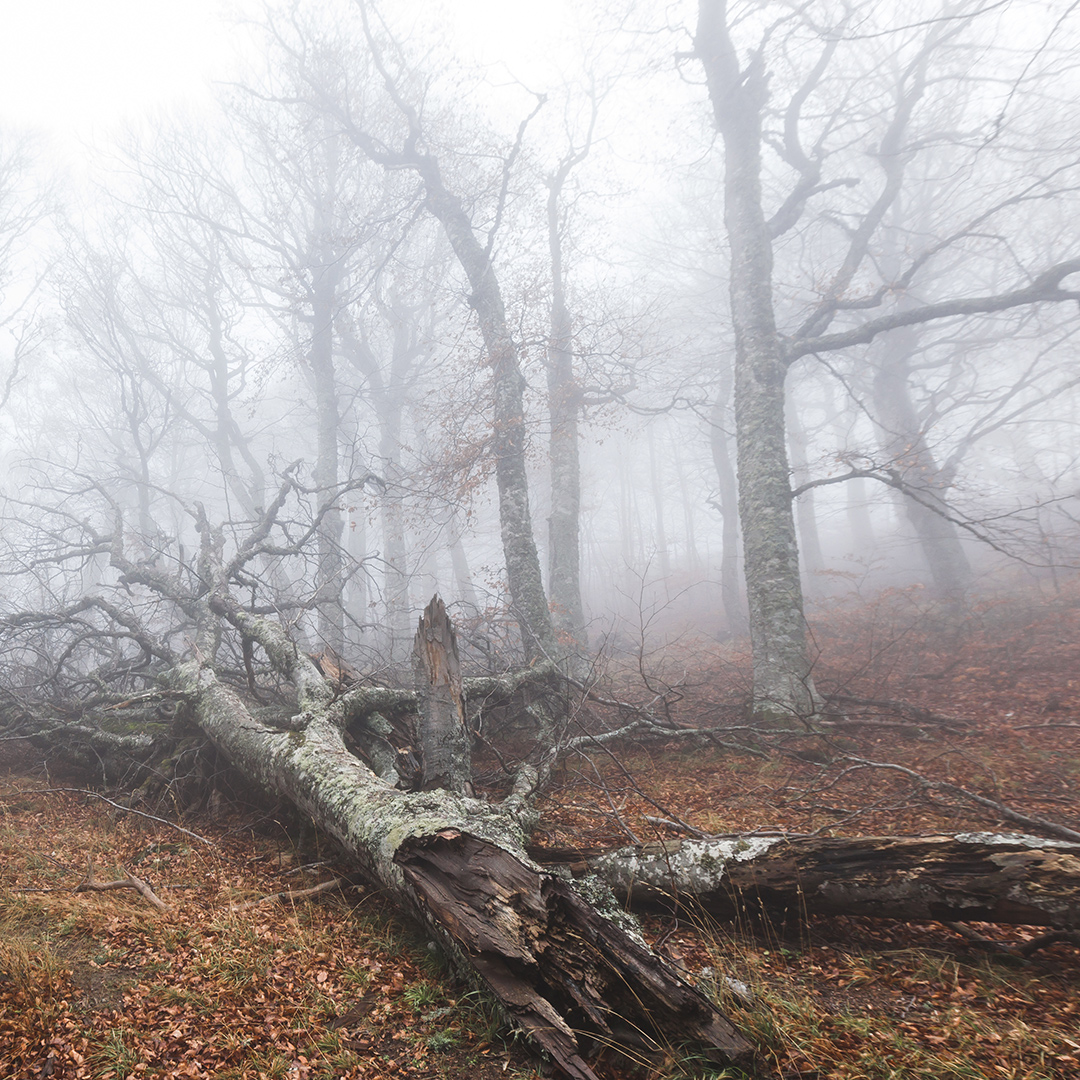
77	68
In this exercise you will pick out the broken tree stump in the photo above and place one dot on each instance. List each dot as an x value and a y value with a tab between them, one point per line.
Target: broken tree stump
443	733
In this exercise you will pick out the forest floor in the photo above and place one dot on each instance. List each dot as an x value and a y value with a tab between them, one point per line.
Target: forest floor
104	986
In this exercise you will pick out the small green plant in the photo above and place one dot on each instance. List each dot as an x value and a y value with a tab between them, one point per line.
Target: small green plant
116	1054
357	976
442	1040
422	995
482	1015
68	925
273	1066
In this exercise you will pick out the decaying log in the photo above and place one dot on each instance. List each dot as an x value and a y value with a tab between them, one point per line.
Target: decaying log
985	877
559	967
492	918
443	731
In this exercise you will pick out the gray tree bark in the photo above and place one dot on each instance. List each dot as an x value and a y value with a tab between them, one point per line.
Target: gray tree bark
509	435
783	686
813	558
328	579
508	413
728	505
443	728
564	406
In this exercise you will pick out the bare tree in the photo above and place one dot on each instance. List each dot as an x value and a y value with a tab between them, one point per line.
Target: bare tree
755	117
406	146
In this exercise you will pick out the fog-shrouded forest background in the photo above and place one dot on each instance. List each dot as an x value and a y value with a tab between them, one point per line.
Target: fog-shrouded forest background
715	363
260	293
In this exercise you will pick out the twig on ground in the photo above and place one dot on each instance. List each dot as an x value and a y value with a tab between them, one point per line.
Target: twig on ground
677	826
1043	941
116	805
286	896
1036	727
129	881
1062	832
1020	951
917	713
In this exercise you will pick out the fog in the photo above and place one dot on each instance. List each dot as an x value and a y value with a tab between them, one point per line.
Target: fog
305	286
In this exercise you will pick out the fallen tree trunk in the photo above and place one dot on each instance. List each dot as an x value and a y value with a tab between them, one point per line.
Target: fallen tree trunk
559	967
986	877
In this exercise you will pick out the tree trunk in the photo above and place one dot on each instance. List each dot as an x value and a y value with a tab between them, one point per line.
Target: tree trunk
783	687
396	568
728	491
328	577
813	558
660	541
860	527
904	441
985	877
509	438
459	562
564	406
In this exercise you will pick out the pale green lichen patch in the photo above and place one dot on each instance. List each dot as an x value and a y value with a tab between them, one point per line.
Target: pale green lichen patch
598	893
697	865
1022	839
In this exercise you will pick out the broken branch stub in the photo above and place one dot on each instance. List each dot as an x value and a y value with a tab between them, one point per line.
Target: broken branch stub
443	730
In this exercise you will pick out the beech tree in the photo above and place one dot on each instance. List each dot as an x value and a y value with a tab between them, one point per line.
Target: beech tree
564	409
774	102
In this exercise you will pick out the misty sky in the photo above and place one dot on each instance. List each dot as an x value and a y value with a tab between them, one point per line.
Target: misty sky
78	68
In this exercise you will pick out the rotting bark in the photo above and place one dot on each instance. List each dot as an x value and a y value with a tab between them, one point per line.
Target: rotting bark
985	877
558	966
